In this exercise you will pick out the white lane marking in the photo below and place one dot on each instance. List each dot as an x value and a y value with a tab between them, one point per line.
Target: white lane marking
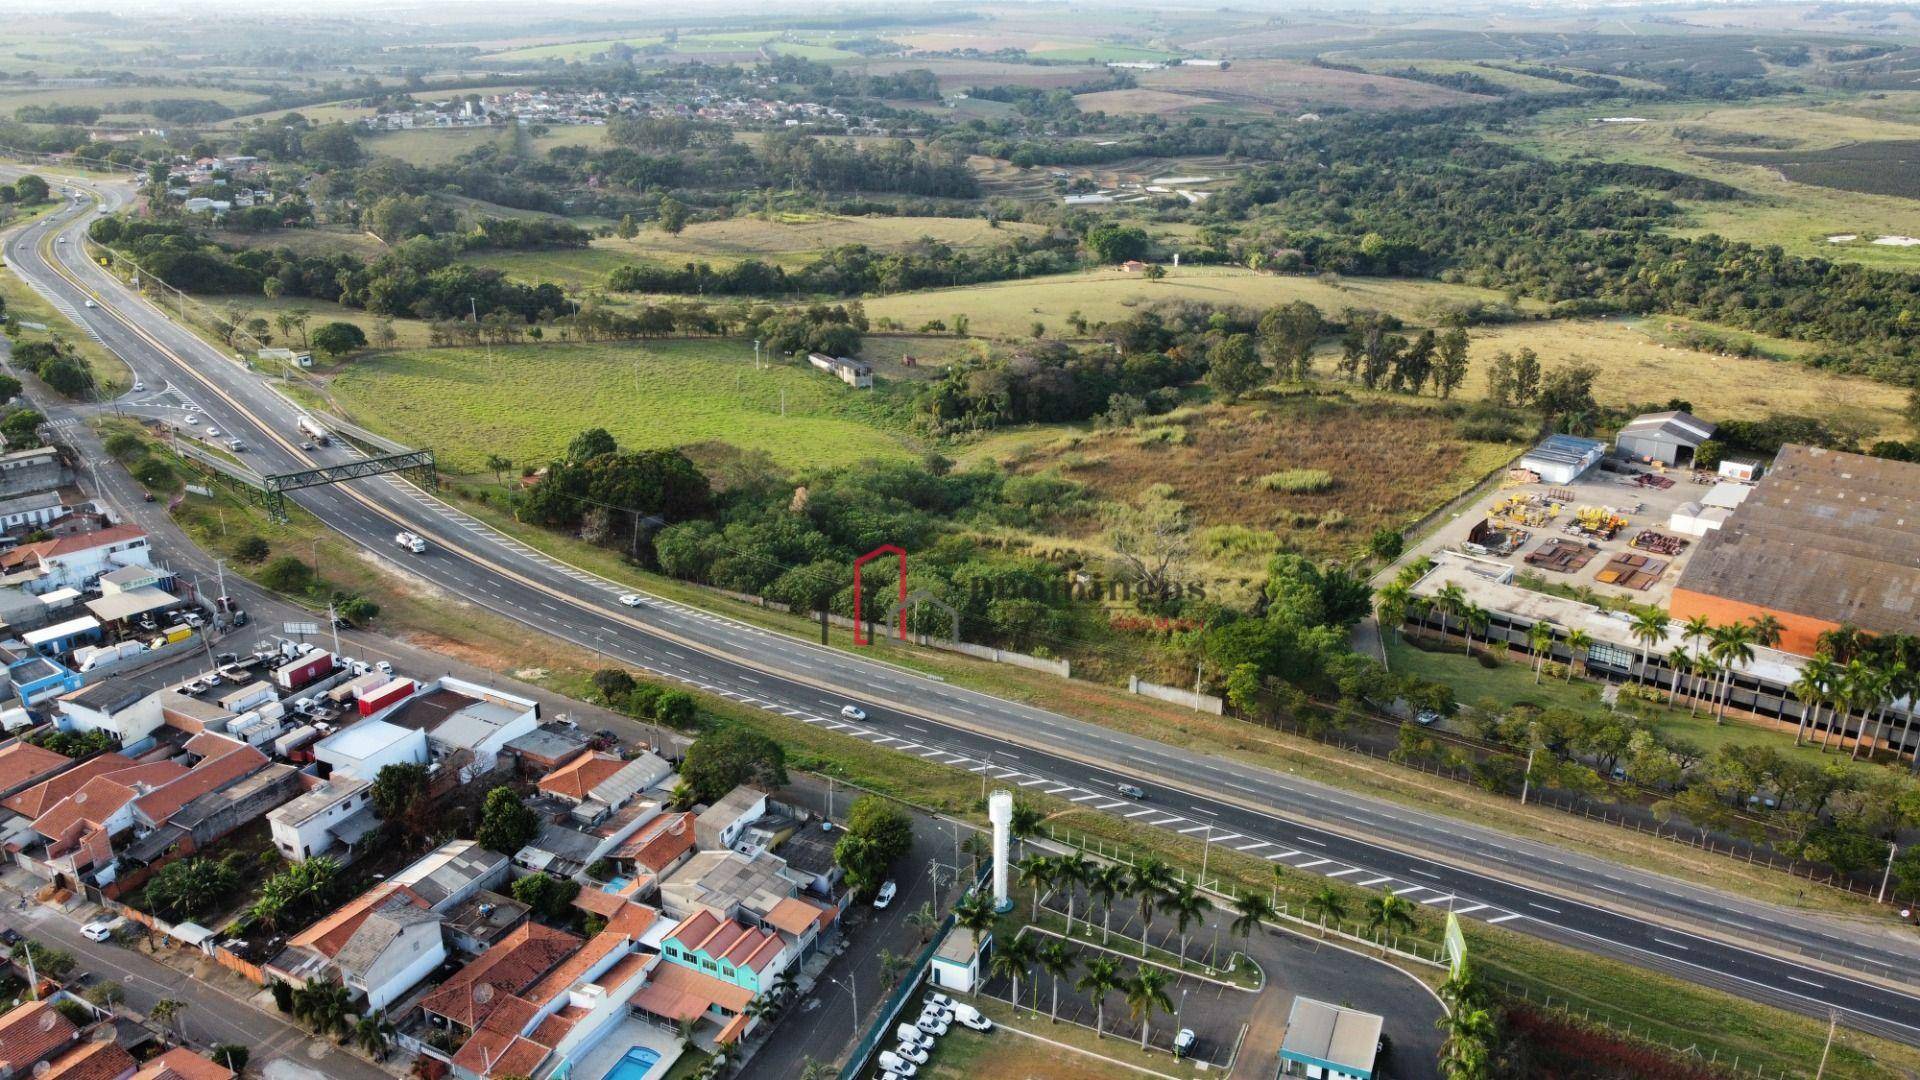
1806	982
1031	783
1344	873
1504	918
1195	829
1674	945
1224	839
1253	846
1082	798
1309	840
1139	813
1469	910
1111	805
1374	881
1543	907
1314	863
1165	821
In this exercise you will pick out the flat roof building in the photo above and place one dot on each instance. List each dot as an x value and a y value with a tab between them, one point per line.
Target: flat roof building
1328	1042
1561	459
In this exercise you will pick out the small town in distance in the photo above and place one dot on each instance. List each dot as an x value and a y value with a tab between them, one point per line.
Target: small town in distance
930	541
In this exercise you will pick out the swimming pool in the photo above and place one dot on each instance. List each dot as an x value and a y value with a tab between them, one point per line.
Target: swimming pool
615	885
635	1065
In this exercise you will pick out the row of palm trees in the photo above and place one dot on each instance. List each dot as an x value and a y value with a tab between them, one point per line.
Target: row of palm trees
1150	884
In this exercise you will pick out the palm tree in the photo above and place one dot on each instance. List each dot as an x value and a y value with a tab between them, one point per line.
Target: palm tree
1843	642
1469	1031
1330	902
1187	907
1540	641
1579	642
1146	992
1874	686
1684	665
1147	885
1107	881
1816	679
924	919
975	912
1070	873
816	1070
1103	975
1649	626
1448	600
1012	957
1036	872
1391	603
1389	912
1856	680
375	1032
1732	646
1767	631
1474	617
1694	632
1251	911
1058	962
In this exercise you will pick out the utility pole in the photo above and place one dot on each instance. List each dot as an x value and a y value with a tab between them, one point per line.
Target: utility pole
1526	779
1833	1021
1887	874
829	799
1206	849
334	625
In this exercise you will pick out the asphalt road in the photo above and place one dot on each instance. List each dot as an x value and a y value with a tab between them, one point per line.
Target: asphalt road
1702	935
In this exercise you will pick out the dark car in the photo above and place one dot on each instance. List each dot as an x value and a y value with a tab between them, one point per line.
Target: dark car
607	734
239	618
9	937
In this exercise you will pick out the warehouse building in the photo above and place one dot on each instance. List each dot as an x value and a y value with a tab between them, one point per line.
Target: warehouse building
1664	438
1826	538
1562	459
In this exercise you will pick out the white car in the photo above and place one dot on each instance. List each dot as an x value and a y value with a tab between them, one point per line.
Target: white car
192	420
213	432
893	1062
853	712
632	599
968	1016
92	304
1183	1042
102	929
934	1023
888	890
940	1001
138	385
911	1053
913	1036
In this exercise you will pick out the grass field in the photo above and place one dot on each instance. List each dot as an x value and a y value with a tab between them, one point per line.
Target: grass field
1386	464
1010	308
102	97
806	46
1268	85
1140	102
435	146
527	402
1798	217
1638	367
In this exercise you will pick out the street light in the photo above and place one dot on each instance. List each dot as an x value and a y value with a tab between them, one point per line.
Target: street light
848	987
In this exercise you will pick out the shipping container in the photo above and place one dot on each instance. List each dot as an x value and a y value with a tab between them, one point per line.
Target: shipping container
302	670
294	743
391	694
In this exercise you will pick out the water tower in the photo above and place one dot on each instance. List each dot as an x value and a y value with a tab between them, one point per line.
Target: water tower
1000	812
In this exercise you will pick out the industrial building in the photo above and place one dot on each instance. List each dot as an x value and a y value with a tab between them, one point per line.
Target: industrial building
1664	438
1826	538
1562	459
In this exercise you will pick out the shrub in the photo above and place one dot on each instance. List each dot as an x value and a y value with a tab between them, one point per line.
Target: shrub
253	549
287	574
1164	435
1297	481
156	474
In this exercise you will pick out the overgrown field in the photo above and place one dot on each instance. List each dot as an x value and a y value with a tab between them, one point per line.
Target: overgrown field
526	402
1284	85
1314	475
1010	308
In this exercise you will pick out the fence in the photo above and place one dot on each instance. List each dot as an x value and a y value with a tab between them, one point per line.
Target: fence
1192	699
246	969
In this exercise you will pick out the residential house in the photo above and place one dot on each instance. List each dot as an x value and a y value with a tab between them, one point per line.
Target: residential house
496	978
542	750
92	1060
30	1034
729	884
750	957
329	819
719	825
23	765
454	872
77	561
381	944
481	921
598	784
655	851
855	373
181	1063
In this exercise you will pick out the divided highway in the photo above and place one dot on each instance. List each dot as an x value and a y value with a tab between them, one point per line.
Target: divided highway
1705	936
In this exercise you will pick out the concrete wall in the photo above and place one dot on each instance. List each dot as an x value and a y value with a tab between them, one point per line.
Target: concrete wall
1175	695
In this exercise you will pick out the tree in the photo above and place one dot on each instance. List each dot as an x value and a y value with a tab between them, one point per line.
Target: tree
252	549
10	389
22	429
1450	364
1057	960
1105	883
1251	912
1102	977
398	791
337	339
1149	537
882	822
1013	956
628	228
1731	645
548	896
1233	368
1113	243
374	1034
1389	912
168	1011
230	1056
506	823
191	888
1147	991
1035	872
1148	885
288	574
1330	903
1187	907
1540	643
30	189
613	685
672	216
1649	625
1578	644
729	756
1288	334
1155	272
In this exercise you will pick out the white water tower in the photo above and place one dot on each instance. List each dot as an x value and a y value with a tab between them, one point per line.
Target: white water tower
1000	812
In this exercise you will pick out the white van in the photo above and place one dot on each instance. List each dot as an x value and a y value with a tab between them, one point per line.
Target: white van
894	1063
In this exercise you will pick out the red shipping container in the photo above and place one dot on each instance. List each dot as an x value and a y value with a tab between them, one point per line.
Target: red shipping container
391	694
298	673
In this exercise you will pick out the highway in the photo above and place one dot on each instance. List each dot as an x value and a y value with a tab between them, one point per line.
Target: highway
1756	950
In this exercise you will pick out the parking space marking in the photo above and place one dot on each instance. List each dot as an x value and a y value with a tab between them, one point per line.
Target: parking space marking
1344	873
1375	881
1314	863
1505	918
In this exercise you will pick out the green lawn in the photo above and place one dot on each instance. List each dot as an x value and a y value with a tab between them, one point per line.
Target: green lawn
526	402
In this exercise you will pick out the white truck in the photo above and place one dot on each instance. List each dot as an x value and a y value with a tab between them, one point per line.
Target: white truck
312	430
411	541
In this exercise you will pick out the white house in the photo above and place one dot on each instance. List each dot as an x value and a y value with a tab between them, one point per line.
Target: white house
719	825
369	746
336	812
77	561
382	943
120	707
458	715
855	373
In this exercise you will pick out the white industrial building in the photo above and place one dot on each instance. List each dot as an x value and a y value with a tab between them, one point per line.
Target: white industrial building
1562	459
371	745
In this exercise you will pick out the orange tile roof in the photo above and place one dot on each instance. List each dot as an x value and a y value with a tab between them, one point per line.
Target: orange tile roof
633	920
726	939
227	761
330	934
23	763
599	902
93	804
27	1037
797	916
181	1063
516	962
659	842
31	554
91	1061
626	968
581	775
680	993
36	800
555	1027
489	1053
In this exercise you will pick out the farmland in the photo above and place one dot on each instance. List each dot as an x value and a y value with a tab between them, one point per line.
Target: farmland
526	402
1284	86
1009	309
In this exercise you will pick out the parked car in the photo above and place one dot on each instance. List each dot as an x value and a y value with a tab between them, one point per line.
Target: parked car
102	929
1183	1042
888	890
911	1053
9	937
932	1024
940	1000
1132	791
895	1063
1427	717
970	1017
853	712
913	1036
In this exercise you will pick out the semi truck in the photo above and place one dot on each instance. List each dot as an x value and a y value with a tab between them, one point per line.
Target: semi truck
312	430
